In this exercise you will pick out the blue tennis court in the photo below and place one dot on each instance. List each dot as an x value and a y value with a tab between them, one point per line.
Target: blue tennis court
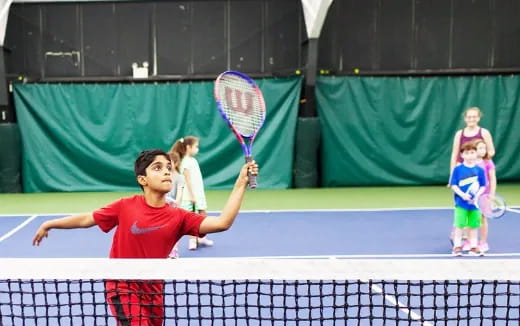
350	233
320	236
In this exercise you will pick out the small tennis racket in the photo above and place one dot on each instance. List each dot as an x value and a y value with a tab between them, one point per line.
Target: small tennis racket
491	208
241	104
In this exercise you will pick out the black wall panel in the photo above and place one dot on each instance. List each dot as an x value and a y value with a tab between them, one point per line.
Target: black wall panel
98	22
134	35
206	37
282	37
432	34
61	40
33	32
358	48
14	45
246	26
173	38
104	39
472	34
395	35
24	41
507	39
404	36
328	47
209	37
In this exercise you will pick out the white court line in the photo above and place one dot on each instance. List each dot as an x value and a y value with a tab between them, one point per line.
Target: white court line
402	307
38	215
507	254
296	210
282	211
16	229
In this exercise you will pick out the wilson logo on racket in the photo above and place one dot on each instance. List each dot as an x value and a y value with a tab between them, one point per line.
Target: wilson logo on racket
241	104
235	99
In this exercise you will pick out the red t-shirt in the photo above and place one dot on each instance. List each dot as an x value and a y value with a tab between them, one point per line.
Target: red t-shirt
144	231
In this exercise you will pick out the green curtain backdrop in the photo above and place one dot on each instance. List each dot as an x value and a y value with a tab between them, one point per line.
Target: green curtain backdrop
85	137
399	130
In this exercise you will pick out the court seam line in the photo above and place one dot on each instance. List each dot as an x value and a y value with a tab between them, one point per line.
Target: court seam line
390	209
17	228
401	306
277	211
512	254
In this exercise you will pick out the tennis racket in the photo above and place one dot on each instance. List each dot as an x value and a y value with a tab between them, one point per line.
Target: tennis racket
491	208
241	104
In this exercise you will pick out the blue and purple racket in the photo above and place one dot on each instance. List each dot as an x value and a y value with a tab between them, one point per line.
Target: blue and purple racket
242	105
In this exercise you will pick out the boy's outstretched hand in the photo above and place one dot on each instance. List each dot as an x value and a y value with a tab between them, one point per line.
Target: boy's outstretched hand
43	232
84	220
243	178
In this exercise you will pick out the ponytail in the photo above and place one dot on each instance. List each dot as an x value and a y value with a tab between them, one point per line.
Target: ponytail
181	145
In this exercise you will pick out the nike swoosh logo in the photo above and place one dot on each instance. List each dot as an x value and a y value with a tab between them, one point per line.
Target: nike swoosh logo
137	230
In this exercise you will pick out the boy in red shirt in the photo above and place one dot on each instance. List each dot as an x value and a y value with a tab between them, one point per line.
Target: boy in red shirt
147	227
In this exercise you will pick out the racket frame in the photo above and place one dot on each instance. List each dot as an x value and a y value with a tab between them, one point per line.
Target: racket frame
246	147
499	199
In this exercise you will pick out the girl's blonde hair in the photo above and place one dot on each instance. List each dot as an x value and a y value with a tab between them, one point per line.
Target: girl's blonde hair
473	108
181	145
479	141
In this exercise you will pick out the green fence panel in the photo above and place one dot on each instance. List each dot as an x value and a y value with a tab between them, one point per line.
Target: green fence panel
10	158
86	137
306	153
399	130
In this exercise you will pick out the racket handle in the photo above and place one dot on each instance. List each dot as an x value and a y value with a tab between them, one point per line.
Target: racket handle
252	178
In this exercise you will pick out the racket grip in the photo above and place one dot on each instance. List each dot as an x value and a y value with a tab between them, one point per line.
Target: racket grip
251	177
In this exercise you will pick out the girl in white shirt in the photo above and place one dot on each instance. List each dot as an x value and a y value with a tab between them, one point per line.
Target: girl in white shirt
193	197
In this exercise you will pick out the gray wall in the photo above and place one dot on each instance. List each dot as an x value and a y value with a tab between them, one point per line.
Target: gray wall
432	36
187	38
190	39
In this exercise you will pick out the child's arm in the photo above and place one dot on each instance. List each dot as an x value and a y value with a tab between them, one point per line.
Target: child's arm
188	184
490	148
455	151
492	183
178	197
461	193
85	220
454	154
230	211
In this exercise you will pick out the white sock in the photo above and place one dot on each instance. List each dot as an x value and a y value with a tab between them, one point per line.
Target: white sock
457	237
473	237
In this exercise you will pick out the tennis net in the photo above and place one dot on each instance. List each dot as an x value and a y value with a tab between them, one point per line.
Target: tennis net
262	291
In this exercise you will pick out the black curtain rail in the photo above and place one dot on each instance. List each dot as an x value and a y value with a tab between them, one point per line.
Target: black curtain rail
426	72
130	79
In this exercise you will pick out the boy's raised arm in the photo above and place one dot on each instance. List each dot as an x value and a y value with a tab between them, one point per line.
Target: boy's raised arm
230	211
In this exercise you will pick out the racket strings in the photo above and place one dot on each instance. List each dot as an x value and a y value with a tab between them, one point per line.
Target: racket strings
241	103
492	207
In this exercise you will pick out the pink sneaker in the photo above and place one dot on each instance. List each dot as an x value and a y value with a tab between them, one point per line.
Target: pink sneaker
484	247
466	246
475	252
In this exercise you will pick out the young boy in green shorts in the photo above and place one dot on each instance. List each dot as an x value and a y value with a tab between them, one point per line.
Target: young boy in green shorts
467	182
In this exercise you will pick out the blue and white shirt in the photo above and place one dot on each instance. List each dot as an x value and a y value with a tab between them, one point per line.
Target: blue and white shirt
469	180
